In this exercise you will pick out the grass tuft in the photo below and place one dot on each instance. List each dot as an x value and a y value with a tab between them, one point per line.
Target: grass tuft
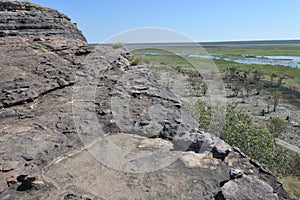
291	185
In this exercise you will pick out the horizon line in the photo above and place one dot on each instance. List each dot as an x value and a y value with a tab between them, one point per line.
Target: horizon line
208	42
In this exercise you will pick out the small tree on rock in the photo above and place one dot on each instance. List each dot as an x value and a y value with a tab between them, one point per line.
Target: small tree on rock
259	86
257	76
276	97
204	89
280	79
272	78
269	102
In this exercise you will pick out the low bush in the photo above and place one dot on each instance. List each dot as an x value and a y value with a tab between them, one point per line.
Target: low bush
135	62
276	126
257	142
291	184
203	114
118	45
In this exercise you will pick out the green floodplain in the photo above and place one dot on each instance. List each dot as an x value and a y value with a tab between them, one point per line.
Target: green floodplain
290	75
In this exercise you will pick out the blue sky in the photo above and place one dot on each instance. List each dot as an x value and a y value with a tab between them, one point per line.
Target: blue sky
201	20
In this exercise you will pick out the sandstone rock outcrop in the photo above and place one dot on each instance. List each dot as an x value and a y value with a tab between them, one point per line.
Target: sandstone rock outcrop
53	84
248	188
26	19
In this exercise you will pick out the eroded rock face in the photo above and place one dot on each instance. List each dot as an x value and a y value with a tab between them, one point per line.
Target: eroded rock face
38	59
44	39
46	155
26	19
248	188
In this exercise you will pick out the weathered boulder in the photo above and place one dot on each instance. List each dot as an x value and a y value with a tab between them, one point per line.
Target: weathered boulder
248	188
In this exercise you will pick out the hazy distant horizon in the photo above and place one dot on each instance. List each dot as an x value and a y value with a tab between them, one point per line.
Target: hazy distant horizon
204	21
287	41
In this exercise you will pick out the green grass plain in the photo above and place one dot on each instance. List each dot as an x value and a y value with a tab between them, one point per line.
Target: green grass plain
263	51
292	74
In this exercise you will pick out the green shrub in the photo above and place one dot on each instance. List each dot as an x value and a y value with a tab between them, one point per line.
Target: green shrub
294	168
203	114
118	45
276	126
135	62
256	142
26	1
291	185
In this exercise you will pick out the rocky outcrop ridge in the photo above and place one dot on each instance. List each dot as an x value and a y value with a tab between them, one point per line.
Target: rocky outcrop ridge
65	106
34	41
28	19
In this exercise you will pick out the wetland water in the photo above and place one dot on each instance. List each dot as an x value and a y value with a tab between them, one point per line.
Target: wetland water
287	61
